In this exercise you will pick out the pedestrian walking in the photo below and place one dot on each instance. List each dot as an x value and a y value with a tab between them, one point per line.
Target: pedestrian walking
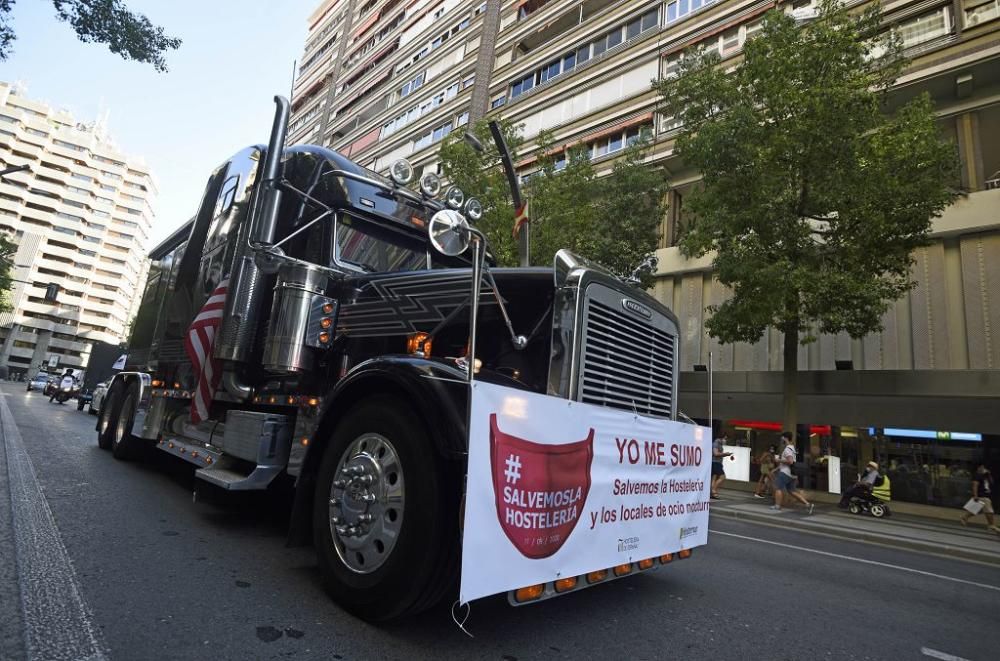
718	472
982	499
767	466
784	485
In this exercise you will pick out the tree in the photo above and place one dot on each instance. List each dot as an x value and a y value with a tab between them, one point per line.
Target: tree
813	196
7	250
612	220
126	33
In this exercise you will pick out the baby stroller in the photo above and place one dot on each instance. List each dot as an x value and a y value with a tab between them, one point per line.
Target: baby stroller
875	502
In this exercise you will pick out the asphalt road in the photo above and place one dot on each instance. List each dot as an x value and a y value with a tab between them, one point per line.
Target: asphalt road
149	574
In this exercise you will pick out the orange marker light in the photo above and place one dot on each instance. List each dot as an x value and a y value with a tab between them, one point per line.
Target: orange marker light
623	570
325	323
291	400
324	338
646	564
419	343
684	553
314	401
667	557
597	576
327	308
305	441
272	400
529	593
564	584
157	383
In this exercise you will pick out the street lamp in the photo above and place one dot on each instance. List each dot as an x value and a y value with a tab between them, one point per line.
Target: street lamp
523	244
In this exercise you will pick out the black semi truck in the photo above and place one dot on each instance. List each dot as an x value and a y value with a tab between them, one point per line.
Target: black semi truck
304	325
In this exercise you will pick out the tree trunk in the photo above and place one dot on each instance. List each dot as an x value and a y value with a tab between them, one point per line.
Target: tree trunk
790	391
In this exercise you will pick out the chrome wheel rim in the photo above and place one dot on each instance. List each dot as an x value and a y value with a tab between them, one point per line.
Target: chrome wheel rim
366	503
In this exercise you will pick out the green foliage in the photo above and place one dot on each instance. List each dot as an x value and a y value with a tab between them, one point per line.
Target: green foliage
612	220
7	250
481	175
813	196
126	33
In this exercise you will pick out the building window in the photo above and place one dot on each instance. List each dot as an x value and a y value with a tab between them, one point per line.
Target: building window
576	57
530	7
980	11
922	29
411	86
678	9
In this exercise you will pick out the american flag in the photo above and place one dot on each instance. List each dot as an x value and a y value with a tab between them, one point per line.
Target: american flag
198	344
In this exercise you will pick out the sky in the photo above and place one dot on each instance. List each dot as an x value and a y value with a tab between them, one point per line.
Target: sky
215	100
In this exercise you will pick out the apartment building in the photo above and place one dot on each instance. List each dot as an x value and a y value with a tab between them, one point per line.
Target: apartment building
81	219
384	79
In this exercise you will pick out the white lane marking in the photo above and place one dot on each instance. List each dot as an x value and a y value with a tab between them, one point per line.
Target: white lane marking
57	620
944	656
985	586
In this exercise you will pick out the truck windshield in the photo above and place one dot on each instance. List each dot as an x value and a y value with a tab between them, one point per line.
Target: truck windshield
382	253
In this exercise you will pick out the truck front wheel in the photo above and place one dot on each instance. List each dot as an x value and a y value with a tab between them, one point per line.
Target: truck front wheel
385	514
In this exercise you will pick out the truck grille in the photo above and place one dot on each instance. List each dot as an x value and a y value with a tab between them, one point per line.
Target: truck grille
627	362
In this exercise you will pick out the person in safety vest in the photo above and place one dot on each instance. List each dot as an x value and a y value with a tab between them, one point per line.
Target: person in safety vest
862	487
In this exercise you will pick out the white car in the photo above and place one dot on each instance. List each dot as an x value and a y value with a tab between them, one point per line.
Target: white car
100	390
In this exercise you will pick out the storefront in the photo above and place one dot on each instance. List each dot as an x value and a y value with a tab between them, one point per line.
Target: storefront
928	467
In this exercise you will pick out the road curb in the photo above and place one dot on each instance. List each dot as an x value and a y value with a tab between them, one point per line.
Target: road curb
864	536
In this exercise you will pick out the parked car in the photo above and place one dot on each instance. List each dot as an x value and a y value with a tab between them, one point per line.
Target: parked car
96	398
39	382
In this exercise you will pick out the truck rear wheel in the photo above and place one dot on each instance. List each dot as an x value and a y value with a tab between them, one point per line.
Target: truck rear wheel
122	441
106	421
385	514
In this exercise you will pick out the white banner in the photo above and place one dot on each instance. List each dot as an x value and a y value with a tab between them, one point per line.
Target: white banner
559	488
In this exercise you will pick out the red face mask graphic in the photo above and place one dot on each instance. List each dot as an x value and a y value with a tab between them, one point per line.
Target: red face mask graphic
540	489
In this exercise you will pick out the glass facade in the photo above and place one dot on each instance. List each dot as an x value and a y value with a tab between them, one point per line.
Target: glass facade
926	467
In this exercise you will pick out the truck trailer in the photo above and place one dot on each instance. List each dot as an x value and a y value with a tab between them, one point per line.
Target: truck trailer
314	323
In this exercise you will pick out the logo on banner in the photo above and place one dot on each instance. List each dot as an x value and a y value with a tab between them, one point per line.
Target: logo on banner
540	489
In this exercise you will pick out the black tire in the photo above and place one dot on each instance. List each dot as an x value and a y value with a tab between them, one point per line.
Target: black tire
423	563
123	443
106	421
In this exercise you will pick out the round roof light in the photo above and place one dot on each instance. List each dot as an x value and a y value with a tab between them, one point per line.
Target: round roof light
430	184
449	232
454	198
401	172
473	209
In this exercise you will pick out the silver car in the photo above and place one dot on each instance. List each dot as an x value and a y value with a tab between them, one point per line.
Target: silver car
100	390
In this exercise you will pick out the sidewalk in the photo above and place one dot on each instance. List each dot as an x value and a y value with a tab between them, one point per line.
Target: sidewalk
899	530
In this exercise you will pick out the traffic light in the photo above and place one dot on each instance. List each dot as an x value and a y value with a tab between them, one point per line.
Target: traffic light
51	292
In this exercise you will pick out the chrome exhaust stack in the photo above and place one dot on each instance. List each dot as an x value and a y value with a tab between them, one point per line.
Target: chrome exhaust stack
242	311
